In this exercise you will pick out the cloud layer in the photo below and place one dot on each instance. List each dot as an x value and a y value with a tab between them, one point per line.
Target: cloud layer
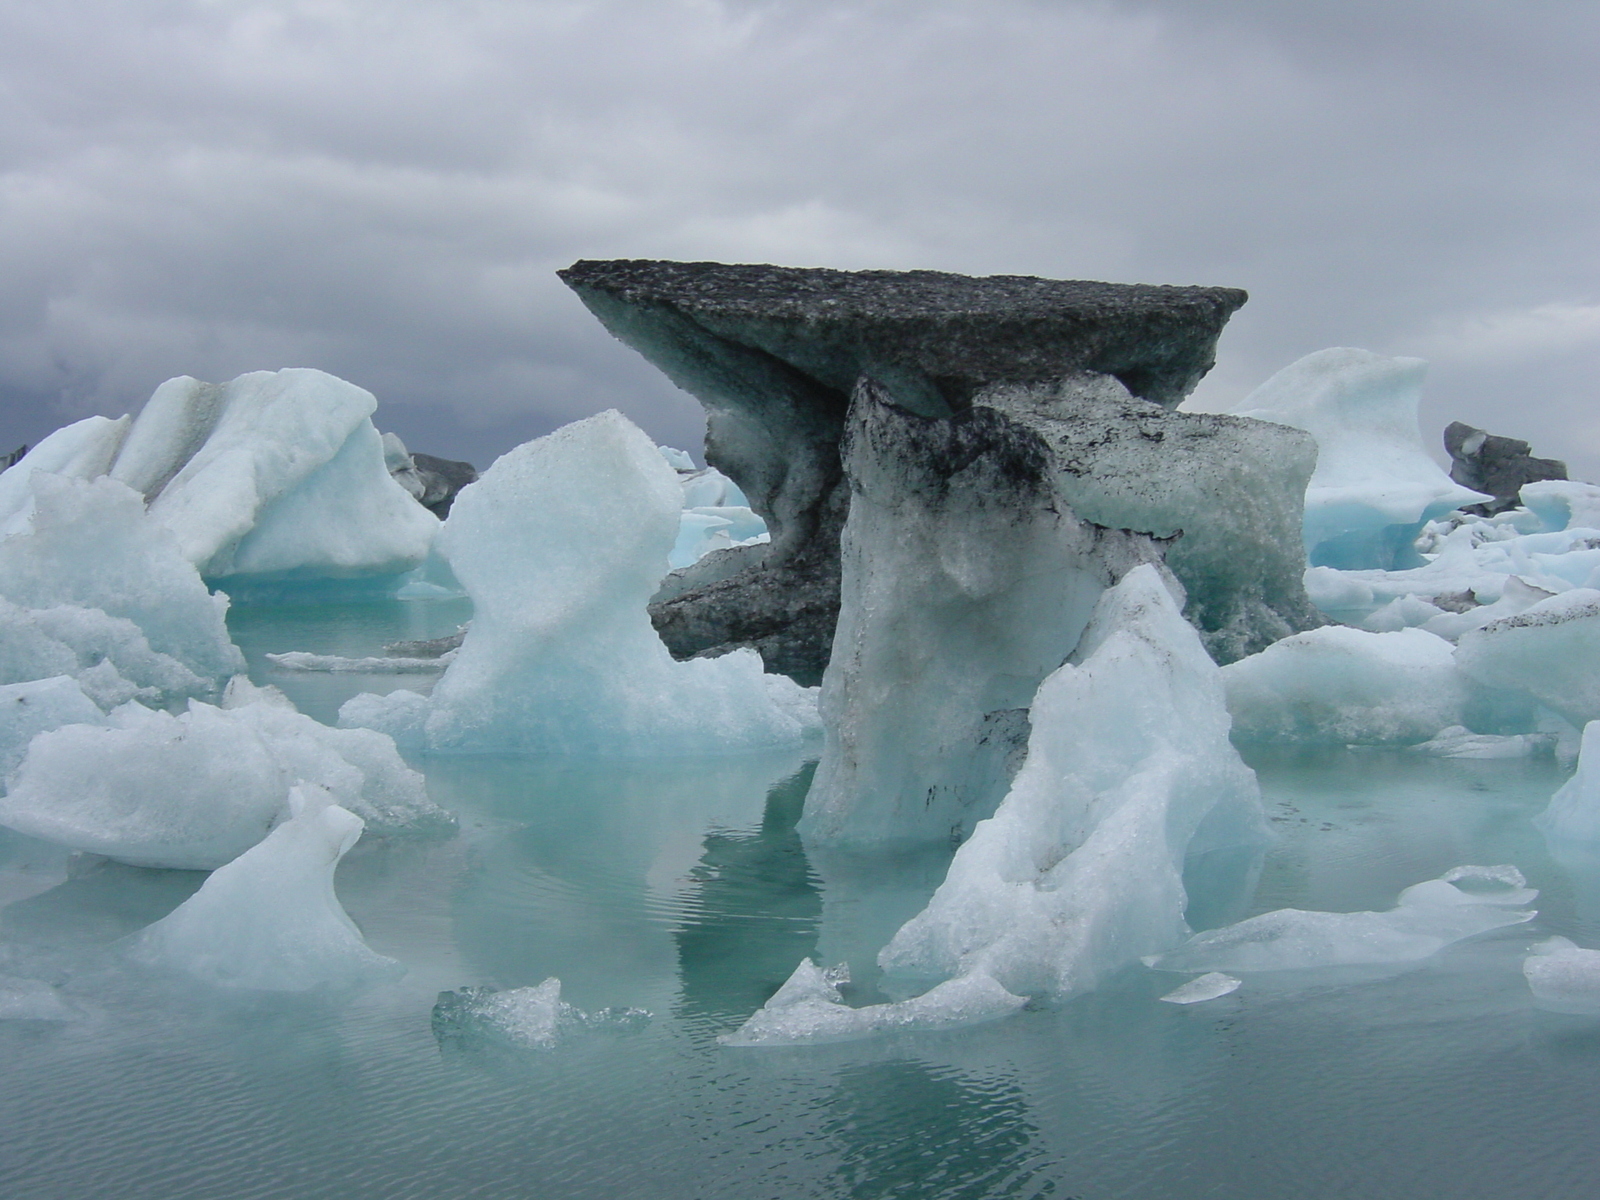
385	191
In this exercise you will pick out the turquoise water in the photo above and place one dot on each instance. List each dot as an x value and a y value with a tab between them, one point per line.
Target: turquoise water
680	887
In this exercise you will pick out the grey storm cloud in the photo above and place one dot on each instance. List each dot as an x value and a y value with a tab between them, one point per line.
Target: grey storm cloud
385	191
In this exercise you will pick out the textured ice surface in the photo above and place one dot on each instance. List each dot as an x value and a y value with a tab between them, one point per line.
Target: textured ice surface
1343	686
1079	872
1564	977
89	545
1375	485
526	1018
1573	818
31	708
269	920
1561	504
1457	741
1429	916
561	655
198	789
1207	987
274	473
967	580
82	450
389	664
1551	650
808	1009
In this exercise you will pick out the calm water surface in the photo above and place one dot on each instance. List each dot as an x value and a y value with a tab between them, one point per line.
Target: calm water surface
680	887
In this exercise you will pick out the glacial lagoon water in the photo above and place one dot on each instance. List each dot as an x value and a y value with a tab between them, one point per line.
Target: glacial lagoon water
679	887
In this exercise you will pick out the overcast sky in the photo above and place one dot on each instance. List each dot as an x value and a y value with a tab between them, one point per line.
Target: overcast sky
384	189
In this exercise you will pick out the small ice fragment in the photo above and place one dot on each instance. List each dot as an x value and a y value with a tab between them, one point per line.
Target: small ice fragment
533	1018
808	1009
1564	977
1208	987
300	660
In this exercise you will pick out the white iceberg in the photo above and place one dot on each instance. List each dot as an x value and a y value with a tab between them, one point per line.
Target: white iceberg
808	1009
1347	686
561	656
1551	650
1428	917
1080	870
276	473
87	544
269	920
82	450
31	708
1375	485
1573	816
198	789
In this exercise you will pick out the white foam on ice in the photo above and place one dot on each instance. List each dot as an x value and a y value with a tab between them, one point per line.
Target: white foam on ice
1428	917
1375	485
808	1009
1079	872
1347	686
269	920
561	656
1564	977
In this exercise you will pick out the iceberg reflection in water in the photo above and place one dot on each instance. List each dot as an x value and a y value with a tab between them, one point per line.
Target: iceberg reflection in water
679	886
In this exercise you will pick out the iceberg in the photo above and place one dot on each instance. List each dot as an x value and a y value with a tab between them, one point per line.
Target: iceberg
82	450
1572	819
561	656
276	473
808	1009
198	789
1375	486
37	706
1428	917
269	920
88	545
1551	650
1129	769
1346	686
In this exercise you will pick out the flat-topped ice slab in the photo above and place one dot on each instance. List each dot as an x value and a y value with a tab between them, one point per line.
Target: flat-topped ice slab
935	337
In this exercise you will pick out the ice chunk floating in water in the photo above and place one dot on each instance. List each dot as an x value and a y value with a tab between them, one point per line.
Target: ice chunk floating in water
269	920
198	789
809	1009
1374	486
1428	917
1210	986
561	656
1079	872
1564	977
526	1018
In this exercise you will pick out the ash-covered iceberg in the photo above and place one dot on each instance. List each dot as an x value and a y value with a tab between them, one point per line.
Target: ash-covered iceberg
269	920
775	354
276	473
1129	771
1375	486
561	656
197	789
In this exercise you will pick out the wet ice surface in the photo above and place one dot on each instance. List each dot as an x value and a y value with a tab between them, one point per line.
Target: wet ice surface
680	888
